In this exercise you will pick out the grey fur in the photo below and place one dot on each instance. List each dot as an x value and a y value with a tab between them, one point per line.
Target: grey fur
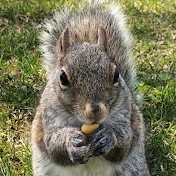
82	52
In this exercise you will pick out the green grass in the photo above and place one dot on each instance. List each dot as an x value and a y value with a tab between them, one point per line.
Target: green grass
153	24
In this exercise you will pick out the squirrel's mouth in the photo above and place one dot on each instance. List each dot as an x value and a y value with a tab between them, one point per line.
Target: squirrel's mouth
97	120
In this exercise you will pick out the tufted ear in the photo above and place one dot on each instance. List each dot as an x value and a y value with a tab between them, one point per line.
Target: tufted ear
64	41
101	36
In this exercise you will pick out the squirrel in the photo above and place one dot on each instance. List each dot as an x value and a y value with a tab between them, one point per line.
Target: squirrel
91	79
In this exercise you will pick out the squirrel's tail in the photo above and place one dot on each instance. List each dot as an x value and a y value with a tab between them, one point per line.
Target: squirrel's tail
83	26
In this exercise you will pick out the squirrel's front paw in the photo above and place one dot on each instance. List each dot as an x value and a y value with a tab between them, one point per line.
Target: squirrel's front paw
103	141
77	148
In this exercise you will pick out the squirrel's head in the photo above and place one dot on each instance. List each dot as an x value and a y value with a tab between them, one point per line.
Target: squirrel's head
87	79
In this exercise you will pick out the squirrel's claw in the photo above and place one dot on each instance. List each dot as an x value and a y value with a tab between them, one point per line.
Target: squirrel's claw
103	142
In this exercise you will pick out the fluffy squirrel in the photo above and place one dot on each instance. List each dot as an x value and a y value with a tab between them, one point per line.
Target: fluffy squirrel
91	76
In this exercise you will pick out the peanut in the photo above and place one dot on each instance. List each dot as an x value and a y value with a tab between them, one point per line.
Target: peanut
89	129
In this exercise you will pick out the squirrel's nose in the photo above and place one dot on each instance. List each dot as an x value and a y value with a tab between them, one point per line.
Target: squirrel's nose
95	111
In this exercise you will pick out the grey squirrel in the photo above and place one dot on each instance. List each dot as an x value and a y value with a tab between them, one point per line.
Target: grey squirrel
91	76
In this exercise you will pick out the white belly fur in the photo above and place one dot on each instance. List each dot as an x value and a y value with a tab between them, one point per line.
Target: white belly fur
96	166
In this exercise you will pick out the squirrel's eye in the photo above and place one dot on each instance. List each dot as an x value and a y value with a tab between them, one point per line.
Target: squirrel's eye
116	76
63	79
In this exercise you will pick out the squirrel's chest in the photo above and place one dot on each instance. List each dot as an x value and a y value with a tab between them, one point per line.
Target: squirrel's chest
94	167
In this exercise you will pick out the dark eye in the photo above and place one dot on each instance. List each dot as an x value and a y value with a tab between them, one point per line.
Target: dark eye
116	76
63	79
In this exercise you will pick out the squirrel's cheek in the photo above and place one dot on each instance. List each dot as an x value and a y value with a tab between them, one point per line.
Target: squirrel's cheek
66	99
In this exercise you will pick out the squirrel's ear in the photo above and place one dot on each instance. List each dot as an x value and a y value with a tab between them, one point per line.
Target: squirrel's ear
64	41
101	36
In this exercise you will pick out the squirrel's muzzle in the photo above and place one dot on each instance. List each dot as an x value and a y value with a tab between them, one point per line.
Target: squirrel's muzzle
95	111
